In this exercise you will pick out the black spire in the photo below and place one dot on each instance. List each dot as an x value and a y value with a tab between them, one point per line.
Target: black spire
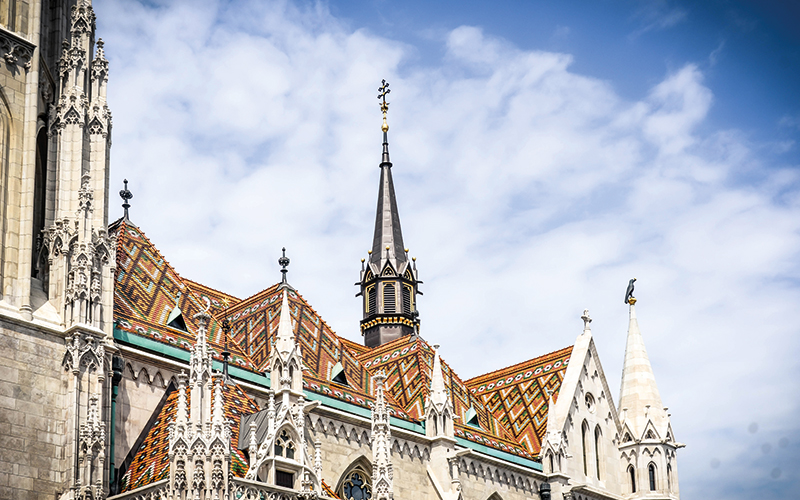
387	244
389	284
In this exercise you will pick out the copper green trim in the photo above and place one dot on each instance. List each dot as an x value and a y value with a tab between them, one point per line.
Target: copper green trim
182	355
502	455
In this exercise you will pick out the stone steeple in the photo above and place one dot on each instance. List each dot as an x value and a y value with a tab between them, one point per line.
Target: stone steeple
388	281
639	401
648	447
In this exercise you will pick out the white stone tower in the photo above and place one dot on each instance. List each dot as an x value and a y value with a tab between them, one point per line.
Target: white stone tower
648	447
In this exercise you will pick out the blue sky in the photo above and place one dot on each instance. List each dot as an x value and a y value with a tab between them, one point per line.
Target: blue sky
544	154
749	51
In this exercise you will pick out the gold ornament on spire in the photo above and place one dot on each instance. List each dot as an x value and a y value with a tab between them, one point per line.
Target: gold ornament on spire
382	91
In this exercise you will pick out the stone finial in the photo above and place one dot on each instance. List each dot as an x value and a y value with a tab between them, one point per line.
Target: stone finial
586	320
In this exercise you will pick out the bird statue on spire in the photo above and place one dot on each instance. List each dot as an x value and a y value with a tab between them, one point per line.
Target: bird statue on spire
629	293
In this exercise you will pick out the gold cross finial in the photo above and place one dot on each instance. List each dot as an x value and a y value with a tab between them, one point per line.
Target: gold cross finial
382	91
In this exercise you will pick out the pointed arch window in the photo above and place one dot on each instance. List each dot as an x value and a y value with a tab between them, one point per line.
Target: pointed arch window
632	474
651	473
284	446
585	447
389	298
597	436
356	485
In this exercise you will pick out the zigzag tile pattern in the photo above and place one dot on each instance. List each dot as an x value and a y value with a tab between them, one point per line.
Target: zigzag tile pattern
408	364
151	462
145	292
518	395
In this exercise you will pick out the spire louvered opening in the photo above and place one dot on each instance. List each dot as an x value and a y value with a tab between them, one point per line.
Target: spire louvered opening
406	299
372	299
389	298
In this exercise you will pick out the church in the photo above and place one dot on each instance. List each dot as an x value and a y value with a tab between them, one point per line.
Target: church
120	378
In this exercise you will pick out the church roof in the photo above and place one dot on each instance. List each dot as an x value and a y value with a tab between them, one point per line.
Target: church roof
408	364
511	419
147	289
151	460
518	396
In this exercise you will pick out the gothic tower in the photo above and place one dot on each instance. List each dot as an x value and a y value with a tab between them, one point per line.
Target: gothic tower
648	447
57	261
389	283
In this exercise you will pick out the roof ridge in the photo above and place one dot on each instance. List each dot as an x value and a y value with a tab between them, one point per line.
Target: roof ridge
193	282
476	379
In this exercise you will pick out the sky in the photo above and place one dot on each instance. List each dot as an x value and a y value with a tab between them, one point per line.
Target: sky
544	154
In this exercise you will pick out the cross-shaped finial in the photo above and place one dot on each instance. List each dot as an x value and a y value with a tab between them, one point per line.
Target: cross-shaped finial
382	91
125	195
284	262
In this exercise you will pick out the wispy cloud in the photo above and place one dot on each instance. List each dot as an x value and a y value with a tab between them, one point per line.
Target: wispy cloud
527	191
655	15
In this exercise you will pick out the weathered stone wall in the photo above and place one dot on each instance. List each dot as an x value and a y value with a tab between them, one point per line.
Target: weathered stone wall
480	479
33	422
140	390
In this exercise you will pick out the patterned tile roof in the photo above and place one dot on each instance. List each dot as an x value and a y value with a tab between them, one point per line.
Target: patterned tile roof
146	290
518	395
408	363
150	464
254	324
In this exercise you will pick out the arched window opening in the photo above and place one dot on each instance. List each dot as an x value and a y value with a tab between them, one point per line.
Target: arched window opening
651	472
584	442
356	485
650	435
372	299
632	474
39	196
597	449
550	459
669	477
627	438
284	446
389	301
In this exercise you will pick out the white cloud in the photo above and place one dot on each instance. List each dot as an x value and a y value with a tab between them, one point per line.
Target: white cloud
528	193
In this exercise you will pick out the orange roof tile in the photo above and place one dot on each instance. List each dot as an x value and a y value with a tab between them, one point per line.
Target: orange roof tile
518	395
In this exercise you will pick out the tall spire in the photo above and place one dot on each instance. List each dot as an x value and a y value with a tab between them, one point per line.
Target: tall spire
387	243
388	282
639	399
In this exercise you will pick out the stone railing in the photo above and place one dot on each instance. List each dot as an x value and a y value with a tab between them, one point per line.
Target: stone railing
244	489
154	491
